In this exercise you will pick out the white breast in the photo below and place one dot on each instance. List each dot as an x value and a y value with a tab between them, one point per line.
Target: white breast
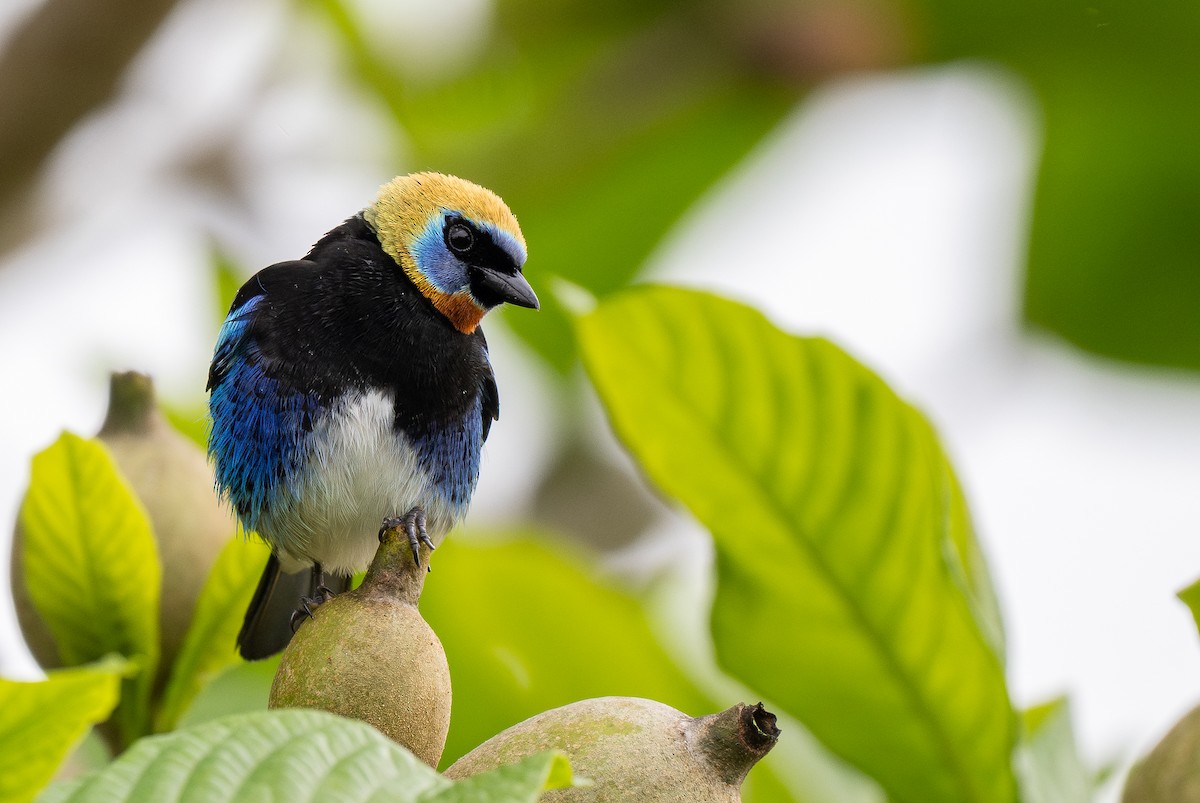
359	470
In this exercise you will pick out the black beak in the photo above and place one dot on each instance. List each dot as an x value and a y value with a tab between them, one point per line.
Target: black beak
511	288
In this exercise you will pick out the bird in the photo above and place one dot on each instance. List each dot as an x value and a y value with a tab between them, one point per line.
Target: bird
352	389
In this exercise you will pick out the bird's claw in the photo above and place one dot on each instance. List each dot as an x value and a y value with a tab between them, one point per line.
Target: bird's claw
302	612
413	525
305	609
390	523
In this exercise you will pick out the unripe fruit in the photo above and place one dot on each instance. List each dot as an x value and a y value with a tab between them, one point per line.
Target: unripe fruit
634	749
172	478
367	654
1170	773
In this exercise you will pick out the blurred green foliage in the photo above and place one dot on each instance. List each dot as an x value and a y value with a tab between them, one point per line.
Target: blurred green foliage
1114	252
1190	597
215	625
1048	759
603	124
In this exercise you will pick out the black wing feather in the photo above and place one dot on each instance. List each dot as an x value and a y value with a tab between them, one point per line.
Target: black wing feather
257	285
489	394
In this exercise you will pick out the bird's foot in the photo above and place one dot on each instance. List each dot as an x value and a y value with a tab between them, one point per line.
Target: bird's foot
305	609
413	524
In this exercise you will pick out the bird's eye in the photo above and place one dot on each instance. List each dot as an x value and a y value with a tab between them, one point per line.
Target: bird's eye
460	238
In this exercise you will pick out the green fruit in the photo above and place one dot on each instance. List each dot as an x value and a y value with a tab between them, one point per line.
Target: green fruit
1170	773
367	654
634	749
172	478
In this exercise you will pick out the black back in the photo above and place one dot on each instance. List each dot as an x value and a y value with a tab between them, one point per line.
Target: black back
346	316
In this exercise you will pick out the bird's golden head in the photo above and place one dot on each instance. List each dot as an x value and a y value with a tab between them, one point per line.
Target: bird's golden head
456	241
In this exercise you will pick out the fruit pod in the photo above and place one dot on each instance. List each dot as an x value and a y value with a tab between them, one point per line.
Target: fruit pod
174	482
1170	773
634	749
369	655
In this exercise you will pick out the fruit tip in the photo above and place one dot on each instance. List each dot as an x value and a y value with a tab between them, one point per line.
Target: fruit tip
131	402
398	568
760	724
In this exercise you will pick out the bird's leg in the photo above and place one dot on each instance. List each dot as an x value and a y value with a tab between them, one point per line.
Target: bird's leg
323	594
318	583
413	523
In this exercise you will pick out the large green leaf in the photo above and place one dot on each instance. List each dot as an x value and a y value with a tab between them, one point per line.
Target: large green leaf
526	629
43	720
293	755
844	595
208	648
91	566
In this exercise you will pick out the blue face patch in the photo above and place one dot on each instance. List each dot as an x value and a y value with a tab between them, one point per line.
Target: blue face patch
445	271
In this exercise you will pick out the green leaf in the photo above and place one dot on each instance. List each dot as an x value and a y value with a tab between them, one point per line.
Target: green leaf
1191	598
526	628
1047	760
288	755
513	783
842	593
91	566
208	648
43	720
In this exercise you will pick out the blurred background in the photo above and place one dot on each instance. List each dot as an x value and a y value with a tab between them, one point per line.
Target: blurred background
992	205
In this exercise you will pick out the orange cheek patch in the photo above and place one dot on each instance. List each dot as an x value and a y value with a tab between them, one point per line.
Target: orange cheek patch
459	308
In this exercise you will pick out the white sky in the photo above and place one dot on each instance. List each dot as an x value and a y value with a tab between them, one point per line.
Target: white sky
902	201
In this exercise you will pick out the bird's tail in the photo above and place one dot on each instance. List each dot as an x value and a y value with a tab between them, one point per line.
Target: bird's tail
267	628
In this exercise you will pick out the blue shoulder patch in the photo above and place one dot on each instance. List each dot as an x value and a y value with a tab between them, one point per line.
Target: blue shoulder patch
259	429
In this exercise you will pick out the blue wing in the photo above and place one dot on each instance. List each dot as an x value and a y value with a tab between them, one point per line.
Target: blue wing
450	453
258	440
